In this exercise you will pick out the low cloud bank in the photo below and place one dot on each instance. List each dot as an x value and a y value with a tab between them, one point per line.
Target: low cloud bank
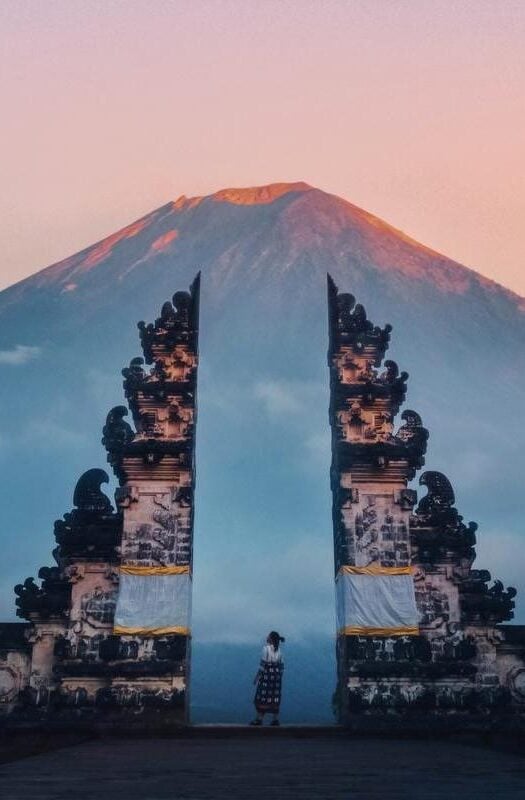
19	354
291	591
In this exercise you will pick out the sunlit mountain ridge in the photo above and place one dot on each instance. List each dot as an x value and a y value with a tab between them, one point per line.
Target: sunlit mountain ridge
308	216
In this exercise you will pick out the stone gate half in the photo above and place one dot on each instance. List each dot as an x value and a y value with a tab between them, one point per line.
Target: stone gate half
418	630
107	636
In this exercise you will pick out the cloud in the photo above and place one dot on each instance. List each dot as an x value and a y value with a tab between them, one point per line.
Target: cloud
104	388
318	446
49	432
43	433
302	399
278	397
292	591
19	354
471	465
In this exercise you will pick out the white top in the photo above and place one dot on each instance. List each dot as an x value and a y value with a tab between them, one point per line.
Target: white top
270	655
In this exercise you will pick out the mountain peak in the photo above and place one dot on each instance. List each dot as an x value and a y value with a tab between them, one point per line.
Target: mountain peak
280	229
247	196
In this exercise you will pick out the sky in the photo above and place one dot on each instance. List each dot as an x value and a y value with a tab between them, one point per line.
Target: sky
411	109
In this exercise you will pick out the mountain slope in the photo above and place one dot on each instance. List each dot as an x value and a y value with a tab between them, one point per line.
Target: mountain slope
305	220
263	526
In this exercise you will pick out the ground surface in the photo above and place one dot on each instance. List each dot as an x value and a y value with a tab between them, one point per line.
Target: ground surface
243	767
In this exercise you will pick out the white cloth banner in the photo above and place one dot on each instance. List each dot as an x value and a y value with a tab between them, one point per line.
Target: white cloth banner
152	603
375	601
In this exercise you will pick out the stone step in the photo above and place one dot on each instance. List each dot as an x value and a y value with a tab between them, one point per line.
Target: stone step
225	730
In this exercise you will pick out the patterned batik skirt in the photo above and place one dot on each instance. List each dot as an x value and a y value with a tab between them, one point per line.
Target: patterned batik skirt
268	692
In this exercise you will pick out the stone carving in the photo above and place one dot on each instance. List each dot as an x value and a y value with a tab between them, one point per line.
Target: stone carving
517	683
140	697
134	375
177	324
482	604
103	649
438	529
381	535
117	433
349	322
406	498
9	684
50	599
413	434
159	528
92	530
433	605
88	495
439	699
98	607
438	503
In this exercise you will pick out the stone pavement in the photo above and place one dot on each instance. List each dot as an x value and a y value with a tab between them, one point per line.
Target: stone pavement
243	767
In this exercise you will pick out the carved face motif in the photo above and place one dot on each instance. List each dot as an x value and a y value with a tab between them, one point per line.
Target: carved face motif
8	684
98	608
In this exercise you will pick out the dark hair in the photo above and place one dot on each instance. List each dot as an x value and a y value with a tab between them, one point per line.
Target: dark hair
275	639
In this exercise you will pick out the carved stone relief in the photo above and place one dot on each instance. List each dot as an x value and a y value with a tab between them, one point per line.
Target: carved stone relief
380	532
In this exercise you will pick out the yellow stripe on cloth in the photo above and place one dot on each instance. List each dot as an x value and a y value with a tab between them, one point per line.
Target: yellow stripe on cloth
375	569
358	631
120	630
130	569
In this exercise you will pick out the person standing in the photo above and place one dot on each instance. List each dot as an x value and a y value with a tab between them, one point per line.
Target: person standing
269	680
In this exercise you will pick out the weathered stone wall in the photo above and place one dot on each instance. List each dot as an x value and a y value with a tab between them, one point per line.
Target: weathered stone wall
15	664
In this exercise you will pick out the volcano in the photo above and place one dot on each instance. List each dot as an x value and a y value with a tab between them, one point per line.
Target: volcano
263	534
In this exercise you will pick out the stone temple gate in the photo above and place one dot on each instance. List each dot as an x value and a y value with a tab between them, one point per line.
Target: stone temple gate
106	640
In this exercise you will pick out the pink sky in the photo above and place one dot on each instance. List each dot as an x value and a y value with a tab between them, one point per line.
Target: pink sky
412	109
